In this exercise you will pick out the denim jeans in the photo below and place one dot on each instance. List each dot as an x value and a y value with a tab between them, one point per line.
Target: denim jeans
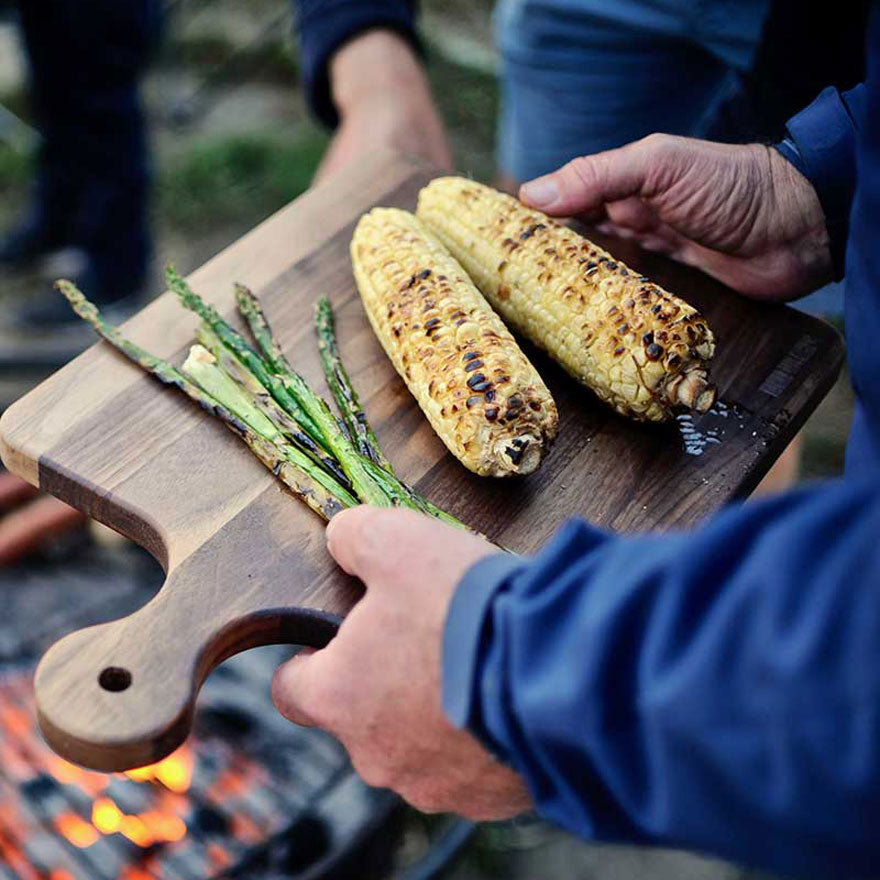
581	76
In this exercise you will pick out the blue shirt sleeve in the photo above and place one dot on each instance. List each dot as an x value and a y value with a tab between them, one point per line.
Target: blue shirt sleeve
324	25
821	144
717	690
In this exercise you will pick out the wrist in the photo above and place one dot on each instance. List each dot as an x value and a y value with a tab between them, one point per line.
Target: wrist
801	212
376	66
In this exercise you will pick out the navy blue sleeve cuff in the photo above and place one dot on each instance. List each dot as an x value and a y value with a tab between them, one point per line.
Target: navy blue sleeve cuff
821	144
463	634
325	25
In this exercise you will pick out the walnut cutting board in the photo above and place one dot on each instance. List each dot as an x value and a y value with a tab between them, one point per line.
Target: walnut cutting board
246	563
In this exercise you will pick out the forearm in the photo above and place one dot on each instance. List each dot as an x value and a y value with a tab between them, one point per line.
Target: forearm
384	102
377	66
717	690
325	26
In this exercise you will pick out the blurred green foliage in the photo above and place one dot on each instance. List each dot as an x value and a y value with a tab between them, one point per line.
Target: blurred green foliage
272	60
15	169
239	178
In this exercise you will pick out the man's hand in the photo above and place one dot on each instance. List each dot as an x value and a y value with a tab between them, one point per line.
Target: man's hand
384	102
377	686
741	213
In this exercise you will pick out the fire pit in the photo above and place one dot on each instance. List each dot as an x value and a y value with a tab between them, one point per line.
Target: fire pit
249	795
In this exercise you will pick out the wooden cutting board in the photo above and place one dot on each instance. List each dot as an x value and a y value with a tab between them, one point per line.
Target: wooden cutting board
246	563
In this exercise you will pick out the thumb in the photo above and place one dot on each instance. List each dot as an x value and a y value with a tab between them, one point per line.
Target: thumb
366	540
587	183
296	688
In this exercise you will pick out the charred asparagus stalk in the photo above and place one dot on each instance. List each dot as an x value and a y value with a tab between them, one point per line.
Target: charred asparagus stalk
202	367
343	391
354	418
293	394
289	465
263	401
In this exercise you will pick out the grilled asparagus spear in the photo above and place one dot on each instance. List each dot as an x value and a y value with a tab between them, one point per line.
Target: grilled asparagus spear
293	394
346	398
340	385
293	468
263	400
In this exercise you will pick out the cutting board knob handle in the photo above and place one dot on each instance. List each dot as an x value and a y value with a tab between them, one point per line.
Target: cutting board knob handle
121	695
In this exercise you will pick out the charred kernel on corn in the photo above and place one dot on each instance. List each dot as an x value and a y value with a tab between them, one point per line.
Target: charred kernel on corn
468	374
638	347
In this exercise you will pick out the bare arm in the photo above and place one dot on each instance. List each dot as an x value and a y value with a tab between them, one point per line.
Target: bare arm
384	102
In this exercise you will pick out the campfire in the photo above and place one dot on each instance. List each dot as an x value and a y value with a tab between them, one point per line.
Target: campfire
216	807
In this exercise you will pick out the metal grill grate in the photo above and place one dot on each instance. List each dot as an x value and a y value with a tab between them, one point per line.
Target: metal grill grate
248	795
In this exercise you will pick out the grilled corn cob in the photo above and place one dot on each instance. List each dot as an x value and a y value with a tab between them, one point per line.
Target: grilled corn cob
638	347
479	391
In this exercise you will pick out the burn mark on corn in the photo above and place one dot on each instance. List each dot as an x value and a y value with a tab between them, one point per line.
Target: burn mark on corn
516	450
473	401
475	380
528	233
491	413
503	292
490	395
654	352
473	365
470	355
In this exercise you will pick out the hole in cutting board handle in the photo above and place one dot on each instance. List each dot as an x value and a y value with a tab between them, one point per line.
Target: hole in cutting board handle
115	679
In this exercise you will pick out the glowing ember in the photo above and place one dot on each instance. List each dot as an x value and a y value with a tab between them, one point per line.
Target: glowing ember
164	826
76	830
141	774
174	772
136	831
133	873
106	816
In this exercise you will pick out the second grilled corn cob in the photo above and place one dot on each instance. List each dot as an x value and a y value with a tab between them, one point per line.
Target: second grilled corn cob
480	393
638	347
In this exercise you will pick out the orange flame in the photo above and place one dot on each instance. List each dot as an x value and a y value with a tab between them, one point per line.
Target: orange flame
134	873
162	824
106	816
76	830
174	772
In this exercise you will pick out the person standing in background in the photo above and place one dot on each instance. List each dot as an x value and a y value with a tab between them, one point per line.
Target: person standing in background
580	76
85	59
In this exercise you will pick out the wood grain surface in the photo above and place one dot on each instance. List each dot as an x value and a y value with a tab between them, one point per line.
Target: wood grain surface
246	563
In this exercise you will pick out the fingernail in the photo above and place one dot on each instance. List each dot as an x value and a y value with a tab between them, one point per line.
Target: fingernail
541	191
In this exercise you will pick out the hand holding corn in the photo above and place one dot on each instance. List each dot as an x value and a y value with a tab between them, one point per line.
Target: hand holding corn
741	213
